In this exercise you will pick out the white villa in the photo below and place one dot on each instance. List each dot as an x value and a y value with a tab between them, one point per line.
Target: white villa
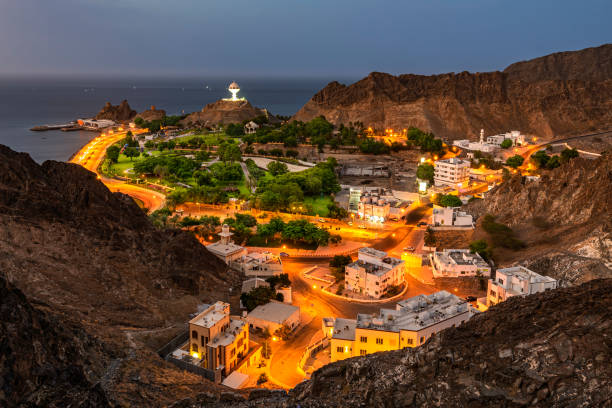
373	273
448	216
514	281
455	263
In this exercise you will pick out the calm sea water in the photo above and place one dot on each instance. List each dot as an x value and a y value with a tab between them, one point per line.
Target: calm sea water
25	103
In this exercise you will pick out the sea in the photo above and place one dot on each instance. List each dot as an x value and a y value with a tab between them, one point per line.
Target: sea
28	102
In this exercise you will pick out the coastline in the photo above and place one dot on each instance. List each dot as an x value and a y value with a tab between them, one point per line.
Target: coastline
81	148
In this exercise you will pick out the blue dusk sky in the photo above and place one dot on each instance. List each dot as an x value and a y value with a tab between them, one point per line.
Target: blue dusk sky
290	38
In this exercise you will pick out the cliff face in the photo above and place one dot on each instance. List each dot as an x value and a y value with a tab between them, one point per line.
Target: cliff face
223	112
545	350
564	218
118	113
560	94
92	258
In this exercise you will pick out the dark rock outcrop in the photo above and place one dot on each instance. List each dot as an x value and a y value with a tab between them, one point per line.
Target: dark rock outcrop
546	350
151	114
118	113
564	218
561	94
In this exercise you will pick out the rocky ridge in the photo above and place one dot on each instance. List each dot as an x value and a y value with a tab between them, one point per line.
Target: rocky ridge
117	113
92	258
561	94
564	218
225	111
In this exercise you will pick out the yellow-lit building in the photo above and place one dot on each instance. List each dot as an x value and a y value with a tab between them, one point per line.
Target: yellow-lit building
410	324
218	340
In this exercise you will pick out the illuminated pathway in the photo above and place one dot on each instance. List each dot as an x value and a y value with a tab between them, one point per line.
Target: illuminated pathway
92	154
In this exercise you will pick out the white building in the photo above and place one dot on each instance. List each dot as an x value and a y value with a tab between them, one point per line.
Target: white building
354	200
373	206
514	135
95	123
260	264
273	316
514	281
250	128
225	249
451	217
373	273
451	172
455	263
411	324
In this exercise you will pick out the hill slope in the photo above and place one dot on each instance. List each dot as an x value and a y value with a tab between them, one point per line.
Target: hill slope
92	258
561	94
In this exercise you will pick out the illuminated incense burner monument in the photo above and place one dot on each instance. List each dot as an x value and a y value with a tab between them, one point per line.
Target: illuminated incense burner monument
234	88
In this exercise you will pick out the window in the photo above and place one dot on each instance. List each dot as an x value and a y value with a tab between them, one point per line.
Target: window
232	352
379	341
500	280
422	339
194	334
492	293
410	341
363	352
363	339
194	347
340	349
240	341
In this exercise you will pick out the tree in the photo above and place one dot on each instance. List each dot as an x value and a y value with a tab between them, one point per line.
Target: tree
131	152
448	200
507	143
481	247
540	159
204	178
234	129
257	296
113	153
280	281
229	152
515	161
553	162
425	172
276	168
568	154
338	264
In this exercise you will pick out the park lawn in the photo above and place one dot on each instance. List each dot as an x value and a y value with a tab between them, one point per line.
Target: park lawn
319	205
124	163
211	139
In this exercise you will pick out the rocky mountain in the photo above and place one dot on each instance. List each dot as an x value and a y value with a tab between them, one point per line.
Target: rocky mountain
560	94
224	111
546	350
92	257
117	113
151	114
564	218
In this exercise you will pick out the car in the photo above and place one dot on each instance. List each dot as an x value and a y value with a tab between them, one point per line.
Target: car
284	254
422	224
470	298
321	220
350	223
362	226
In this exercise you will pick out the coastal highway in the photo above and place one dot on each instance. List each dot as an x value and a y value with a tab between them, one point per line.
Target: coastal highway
92	154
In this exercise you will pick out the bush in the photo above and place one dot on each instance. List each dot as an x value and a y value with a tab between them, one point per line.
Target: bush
501	235
481	247
506	144
515	161
447	200
257	296
425	172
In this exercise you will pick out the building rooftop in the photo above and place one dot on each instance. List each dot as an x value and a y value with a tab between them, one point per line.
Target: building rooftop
253	283
453	160
221	249
416	313
261	257
274	311
229	335
372	252
212	315
524	274
344	329
460	257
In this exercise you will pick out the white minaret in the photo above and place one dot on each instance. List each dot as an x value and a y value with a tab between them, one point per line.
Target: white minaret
481	136
225	234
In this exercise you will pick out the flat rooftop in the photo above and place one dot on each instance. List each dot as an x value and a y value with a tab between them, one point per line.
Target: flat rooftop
523	273
211	316
344	329
218	248
460	257
229	335
274	311
416	313
453	160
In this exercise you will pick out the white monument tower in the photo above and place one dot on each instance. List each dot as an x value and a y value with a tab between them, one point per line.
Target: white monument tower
481	136
234	88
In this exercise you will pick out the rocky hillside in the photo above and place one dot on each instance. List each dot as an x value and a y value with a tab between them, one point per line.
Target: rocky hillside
547	350
118	113
151	114
565	219
223	111
93	257
561	94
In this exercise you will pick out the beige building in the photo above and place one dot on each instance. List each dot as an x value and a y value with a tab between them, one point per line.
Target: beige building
452	172
450	217
219	341
225	249
411	324
373	273
273	316
261	264
514	281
